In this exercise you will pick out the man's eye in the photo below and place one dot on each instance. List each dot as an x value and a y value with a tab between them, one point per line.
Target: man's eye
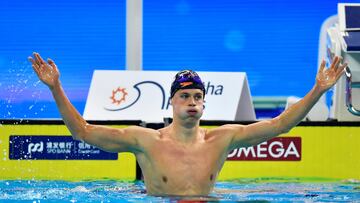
184	96
198	97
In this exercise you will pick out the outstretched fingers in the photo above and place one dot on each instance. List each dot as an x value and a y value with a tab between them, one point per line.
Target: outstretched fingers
51	63
322	66
31	60
340	71
341	68
38	58
34	65
337	64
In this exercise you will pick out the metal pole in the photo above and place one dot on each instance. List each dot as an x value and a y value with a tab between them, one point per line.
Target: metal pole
134	34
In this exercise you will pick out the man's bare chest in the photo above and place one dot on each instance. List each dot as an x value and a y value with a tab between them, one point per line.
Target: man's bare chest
199	161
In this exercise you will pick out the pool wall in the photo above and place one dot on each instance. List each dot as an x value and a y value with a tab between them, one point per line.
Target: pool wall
310	151
44	150
327	151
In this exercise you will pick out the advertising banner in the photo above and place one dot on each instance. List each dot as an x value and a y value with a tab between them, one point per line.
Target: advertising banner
54	148
46	151
145	95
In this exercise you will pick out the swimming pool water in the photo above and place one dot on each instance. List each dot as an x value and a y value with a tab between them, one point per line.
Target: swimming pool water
117	191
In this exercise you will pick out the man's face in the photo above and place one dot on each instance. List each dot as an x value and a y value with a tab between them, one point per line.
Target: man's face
188	103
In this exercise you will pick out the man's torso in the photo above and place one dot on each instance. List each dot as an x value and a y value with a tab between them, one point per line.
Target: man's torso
174	168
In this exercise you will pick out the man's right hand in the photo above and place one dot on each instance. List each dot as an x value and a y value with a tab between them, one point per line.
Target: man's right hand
47	72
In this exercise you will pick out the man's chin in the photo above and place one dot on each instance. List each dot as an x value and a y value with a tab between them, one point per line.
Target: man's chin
194	117
191	121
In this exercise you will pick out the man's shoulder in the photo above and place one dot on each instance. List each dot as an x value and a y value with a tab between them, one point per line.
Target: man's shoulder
221	128
215	132
143	131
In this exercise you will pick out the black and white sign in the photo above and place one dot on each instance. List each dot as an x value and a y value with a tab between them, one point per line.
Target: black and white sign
145	95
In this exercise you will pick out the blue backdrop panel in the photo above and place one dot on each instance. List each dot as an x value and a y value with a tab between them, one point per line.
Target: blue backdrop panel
275	42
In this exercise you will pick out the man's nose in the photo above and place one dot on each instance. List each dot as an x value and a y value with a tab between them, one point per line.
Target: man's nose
192	101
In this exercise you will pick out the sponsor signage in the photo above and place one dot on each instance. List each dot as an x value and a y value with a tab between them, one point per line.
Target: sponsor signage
54	148
276	149
145	95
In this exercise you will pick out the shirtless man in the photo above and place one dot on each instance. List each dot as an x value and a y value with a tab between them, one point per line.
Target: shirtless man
182	159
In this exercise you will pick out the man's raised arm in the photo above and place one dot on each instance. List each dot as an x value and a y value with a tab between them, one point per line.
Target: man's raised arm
110	139
256	133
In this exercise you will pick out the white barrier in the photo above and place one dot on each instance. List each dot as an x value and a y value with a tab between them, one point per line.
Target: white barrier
145	95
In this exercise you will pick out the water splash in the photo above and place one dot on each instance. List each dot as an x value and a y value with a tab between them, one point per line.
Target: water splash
20	86
113	191
36	83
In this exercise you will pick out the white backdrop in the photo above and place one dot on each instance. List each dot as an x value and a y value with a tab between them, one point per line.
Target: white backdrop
144	95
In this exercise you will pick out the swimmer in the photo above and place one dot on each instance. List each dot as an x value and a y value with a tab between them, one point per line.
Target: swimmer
182	159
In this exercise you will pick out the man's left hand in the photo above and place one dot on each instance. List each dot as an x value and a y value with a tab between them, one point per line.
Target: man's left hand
326	78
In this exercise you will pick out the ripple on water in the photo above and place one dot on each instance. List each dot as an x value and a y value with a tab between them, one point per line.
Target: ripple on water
135	191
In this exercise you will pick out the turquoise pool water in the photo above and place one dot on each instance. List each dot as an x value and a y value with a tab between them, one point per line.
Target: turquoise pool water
115	191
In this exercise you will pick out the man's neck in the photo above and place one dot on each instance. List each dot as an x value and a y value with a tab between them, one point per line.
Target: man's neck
185	131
